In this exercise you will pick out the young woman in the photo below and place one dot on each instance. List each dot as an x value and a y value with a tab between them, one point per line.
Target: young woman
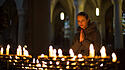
87	33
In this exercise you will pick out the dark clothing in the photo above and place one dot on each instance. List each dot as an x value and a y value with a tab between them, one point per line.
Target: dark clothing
92	35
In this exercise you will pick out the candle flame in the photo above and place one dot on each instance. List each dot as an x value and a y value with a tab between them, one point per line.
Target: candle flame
71	52
91	51
42	55
33	60
37	61
103	52
60	52
51	51
25	52
7	49
1	52
114	57
19	51
79	55
54	53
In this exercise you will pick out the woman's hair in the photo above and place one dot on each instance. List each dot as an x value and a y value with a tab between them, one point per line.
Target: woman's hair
83	14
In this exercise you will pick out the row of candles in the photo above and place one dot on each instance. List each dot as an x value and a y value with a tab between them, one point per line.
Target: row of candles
53	54
20	51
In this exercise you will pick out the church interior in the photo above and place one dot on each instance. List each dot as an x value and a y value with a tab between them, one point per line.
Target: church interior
34	26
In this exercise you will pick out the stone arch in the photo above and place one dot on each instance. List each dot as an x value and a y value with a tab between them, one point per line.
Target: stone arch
57	24
10	22
109	27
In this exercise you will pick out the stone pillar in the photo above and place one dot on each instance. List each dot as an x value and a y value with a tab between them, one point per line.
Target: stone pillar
81	5
21	26
118	37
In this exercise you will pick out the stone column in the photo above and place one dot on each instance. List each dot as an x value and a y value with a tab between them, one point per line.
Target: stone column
21	27
118	37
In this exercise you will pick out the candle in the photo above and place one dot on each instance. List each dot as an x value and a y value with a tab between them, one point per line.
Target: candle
38	64
79	55
25	52
54	53
60	53
33	60
103	52
114	57
1	51
42	55
44	64
71	53
19	51
50	51
91	51
7	49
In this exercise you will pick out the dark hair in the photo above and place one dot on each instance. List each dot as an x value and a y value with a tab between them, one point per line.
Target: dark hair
83	14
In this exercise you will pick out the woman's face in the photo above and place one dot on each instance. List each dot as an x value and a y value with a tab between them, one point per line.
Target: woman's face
82	21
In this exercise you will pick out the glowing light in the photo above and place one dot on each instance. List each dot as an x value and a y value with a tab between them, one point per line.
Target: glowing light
103	52
62	15
79	55
7	49
50	51
97	11
71	53
91	51
33	60
1	52
54	53
114	57
25	52
19	51
60	52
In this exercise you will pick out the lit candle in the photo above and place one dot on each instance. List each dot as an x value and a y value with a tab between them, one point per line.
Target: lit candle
44	64
71	53
60	53
19	51
91	51
103	52
25	52
1	51
114	57
33	60
42	56
38	64
54	52
50	51
7	49
79	55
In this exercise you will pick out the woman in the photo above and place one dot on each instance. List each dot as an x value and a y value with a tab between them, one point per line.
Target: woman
87	33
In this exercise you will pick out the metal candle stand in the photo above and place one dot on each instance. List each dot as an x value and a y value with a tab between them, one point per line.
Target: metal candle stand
64	63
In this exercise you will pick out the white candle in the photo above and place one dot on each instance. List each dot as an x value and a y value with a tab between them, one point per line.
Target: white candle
1	51
33	60
114	57
71	53
60	53
19	51
91	51
54	53
79	55
103	52
25	52
7	49
50	51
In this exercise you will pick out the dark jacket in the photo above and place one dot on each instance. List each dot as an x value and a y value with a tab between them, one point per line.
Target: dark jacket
92	35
